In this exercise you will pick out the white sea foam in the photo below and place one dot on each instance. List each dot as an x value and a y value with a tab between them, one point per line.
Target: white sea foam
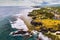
25	19
24	15
19	23
43	37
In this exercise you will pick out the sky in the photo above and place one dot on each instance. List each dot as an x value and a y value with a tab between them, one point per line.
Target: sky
28	2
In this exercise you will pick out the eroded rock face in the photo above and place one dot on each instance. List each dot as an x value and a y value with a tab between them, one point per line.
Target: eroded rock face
36	23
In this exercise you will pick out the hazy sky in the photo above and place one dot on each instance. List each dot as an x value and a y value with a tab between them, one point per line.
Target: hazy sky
28	2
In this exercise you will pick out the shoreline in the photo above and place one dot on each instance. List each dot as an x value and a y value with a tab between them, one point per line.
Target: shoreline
26	18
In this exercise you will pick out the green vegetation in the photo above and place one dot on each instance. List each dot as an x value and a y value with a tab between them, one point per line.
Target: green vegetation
41	13
45	17
53	37
44	20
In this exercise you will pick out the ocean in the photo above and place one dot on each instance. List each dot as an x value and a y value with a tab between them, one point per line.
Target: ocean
5	29
5	26
6	13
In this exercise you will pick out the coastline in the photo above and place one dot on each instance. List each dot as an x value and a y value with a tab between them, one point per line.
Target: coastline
25	17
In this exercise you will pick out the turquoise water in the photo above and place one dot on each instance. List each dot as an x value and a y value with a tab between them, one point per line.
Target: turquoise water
5	29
